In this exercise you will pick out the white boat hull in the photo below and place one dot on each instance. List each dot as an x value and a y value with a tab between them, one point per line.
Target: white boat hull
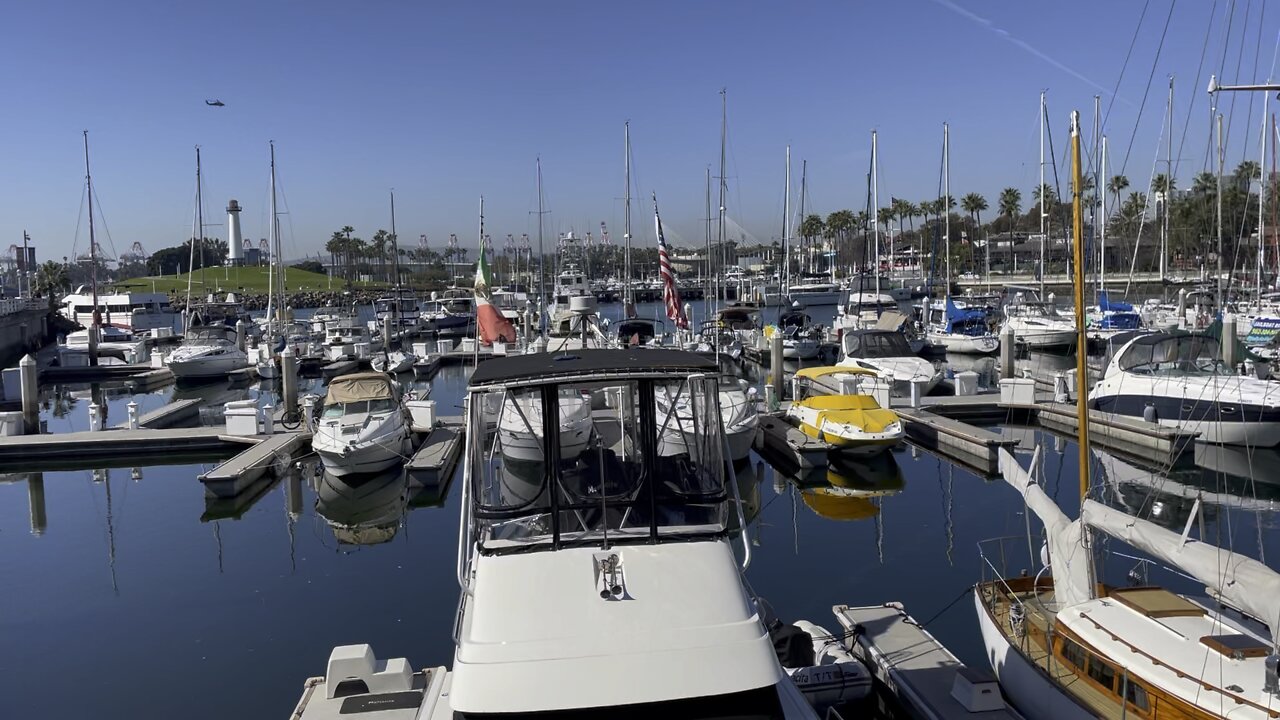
965	344
207	367
375	456
1048	338
811	299
528	447
740	442
799	349
1028	688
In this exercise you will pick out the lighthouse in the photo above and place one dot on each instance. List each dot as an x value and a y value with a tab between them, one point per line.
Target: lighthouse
235	245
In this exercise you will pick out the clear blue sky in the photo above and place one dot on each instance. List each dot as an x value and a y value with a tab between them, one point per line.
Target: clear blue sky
448	101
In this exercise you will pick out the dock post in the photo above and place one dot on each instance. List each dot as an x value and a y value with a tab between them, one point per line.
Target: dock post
1229	341
289	382
35	503
29	380
133	415
309	411
1008	344
1053	301
775	365
528	322
93	331
95	416
241	331
268	420
1182	309
387	329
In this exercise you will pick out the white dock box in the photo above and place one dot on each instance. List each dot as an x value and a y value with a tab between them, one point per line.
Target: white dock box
11	423
966	383
467	345
420	349
1017	391
422	415
12	384
444	346
242	417
362	350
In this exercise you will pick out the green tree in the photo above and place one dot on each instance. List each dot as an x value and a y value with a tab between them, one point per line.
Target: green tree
50	279
1116	186
1011	207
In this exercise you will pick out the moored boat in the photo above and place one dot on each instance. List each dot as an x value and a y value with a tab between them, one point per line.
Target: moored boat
362	427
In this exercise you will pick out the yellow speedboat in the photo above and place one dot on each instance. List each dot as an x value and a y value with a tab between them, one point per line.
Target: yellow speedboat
853	424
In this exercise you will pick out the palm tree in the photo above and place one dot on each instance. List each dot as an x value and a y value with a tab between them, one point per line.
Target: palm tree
347	248
50	278
1205	184
1011	207
1245	173
840	225
812	227
971	203
1117	185
378	249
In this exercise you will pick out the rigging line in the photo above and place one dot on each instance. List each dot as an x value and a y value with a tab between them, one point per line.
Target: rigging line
1132	42
1231	114
1155	62
1222	64
1257	51
1208	30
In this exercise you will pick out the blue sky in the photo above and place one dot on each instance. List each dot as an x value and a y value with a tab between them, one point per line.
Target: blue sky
448	101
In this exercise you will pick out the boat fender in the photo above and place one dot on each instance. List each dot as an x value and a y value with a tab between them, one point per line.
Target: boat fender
826	685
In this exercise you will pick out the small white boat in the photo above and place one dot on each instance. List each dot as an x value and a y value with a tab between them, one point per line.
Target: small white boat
854	424
1038	325
206	352
738	418
362	428
886	353
394	362
520	426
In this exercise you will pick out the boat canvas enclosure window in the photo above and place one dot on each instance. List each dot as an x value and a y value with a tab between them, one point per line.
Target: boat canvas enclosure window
872	344
570	450
1171	353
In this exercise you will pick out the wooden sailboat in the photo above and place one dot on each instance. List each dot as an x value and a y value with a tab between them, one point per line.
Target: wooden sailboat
1065	646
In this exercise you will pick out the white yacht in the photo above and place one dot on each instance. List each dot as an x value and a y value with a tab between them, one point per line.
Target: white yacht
1176	379
571	282
603	585
801	338
341	337
886	353
402	305
811	294
322	317
1038	325
958	328
132	312
206	351
362	428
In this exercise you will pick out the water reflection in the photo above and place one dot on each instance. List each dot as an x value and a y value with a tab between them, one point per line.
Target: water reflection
363	509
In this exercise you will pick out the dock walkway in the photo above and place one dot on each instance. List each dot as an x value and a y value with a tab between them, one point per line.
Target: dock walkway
86	447
241	471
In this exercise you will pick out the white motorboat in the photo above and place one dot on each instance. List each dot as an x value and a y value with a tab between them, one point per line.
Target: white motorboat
129	311
402	307
801	339
394	362
362	428
1176	379
323	317
812	294
206	351
342	336
520	426
959	329
1039	326
887	353
739	417
603	585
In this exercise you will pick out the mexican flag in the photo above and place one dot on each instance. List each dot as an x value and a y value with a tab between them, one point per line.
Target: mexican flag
490	323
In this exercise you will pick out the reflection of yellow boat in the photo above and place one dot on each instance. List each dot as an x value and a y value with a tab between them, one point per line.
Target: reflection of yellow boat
850	423
878	475
834	503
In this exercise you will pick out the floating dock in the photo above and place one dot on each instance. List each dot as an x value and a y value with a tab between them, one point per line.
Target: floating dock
433	463
179	413
917	670
970	445
774	434
115	447
232	477
1130	435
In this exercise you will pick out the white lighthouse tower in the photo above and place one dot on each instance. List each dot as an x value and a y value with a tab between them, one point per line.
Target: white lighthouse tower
235	245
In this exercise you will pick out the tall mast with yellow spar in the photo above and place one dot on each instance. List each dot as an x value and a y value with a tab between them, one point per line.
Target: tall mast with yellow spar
1077	281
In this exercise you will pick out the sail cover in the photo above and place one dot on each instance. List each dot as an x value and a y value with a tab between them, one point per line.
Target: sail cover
1068	557
1239	580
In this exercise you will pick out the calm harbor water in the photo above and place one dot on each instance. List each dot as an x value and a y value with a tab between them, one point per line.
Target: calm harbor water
132	596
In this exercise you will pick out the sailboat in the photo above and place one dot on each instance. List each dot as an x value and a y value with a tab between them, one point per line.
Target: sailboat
274	324
1064	646
958	329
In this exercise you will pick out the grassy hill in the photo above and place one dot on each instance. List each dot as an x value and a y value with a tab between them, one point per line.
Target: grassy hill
240	279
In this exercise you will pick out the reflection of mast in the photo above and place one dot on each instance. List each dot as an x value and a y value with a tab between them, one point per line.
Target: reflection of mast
293	508
35	503
111	531
217	536
946	510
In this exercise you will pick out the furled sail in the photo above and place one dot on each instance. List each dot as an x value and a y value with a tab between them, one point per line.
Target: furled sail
1238	580
1068	557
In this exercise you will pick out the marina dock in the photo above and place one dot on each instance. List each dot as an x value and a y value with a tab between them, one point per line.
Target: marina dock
433	464
233	476
918	670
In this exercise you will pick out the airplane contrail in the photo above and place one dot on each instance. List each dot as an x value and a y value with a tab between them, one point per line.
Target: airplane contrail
1026	46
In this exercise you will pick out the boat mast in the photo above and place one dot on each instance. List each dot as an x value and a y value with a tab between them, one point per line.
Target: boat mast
1220	169
724	119
1168	187
1262	198
629	302
804	175
93	243
1042	199
197	230
395	265
785	276
946	202
1102	232
875	208
1077	246
706	301
542	281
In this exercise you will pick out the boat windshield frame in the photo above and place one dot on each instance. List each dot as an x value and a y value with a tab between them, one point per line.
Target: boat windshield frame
1173	355
559	502
882	341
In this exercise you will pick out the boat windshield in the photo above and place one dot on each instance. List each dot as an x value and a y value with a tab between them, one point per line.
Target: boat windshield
876	345
337	410
1173	355
579	462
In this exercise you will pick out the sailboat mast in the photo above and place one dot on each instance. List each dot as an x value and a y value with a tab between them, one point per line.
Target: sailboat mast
706	278
1102	232
275	243
1077	247
542	281
1262	198
946	200
804	175
724	121
191	251
784	277
1220	170
629	303
1042	195
395	250
93	243
1168	187
875	208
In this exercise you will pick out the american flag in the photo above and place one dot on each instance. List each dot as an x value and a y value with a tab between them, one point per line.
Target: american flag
670	294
